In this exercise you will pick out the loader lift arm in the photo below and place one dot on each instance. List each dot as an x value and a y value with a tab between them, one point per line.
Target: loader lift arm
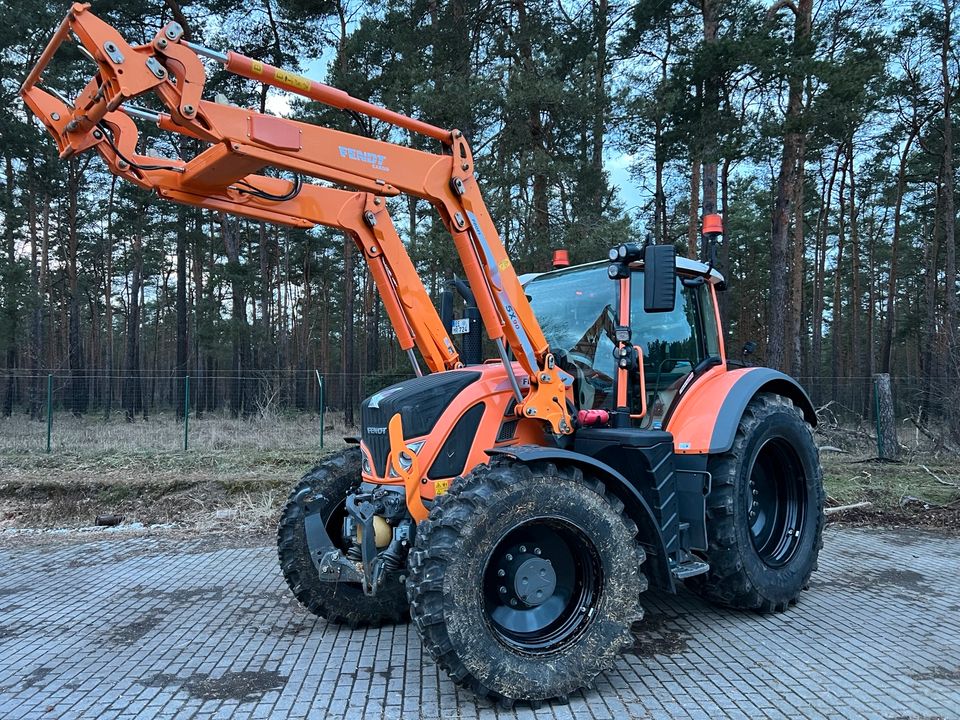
243	142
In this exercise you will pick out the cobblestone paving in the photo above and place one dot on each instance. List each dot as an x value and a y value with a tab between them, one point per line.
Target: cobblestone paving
159	627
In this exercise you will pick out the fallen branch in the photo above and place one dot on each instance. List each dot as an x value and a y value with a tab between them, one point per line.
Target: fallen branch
831	448
948	483
844	508
938	441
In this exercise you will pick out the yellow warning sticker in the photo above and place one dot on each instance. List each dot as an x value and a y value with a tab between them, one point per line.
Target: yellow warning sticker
257	67
440	487
292	79
504	264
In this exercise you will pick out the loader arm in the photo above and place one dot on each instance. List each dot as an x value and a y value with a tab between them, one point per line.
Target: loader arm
244	142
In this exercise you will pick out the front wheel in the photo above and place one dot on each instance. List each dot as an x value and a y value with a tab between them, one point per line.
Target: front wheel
524	581
765	511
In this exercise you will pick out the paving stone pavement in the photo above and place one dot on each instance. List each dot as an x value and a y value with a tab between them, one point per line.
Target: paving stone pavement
159	626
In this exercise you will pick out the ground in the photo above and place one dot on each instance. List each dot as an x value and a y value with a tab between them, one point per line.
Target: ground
112	624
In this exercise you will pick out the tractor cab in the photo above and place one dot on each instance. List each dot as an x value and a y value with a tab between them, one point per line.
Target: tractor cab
588	319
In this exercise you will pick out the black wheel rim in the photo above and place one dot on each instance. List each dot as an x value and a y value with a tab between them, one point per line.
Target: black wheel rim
776	502
541	585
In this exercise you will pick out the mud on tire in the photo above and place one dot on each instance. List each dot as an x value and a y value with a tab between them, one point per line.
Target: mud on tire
765	490
522	515
345	603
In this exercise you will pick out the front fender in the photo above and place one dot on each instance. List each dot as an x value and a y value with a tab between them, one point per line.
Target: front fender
706	418
637	507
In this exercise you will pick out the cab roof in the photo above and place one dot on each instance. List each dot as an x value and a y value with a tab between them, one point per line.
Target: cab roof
685	266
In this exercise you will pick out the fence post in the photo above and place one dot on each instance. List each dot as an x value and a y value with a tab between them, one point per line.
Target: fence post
186	411
888	447
320	404
49	408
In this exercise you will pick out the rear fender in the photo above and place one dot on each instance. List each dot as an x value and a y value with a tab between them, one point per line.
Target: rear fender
639	511
706	418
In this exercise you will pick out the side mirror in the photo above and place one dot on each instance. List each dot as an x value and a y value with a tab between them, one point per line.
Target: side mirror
659	278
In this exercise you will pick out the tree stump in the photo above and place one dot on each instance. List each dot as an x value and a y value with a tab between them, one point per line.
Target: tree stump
888	447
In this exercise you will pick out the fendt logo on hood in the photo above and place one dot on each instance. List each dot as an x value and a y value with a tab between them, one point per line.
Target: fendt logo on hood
363	156
377	430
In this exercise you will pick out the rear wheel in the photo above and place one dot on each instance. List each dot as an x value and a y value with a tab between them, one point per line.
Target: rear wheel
765	510
524	581
340	602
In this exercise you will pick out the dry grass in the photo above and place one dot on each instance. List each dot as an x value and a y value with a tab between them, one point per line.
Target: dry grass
890	486
91	435
235	473
926	474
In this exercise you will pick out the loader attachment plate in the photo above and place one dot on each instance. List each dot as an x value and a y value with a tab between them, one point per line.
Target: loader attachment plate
331	564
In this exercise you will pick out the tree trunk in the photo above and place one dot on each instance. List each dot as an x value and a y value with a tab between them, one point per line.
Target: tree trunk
132	382
538	237
784	204
886	353
108	304
10	300
856	351
601	23
36	309
78	379
693	217
819	283
347	362
888	447
950	345
238	317
836	323
929	356
794	358
181	309
725	245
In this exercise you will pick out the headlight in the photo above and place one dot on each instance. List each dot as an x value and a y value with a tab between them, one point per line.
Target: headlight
406	461
365	464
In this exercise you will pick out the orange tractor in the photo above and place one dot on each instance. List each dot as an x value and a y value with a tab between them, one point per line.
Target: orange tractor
515	508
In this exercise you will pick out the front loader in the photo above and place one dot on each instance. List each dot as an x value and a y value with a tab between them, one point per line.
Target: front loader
515	508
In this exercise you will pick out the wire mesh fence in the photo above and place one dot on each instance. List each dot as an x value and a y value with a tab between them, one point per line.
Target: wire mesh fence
96	411
102	412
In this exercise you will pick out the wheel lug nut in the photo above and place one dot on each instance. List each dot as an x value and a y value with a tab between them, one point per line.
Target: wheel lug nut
501	572
756	492
509	557
536	551
503	589
523	548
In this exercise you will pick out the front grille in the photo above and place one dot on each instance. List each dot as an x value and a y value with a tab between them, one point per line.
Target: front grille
420	402
377	443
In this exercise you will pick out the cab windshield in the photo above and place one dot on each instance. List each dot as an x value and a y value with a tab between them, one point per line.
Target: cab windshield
576	310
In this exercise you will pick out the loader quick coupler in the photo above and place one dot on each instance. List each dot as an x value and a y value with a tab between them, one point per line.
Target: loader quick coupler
377	532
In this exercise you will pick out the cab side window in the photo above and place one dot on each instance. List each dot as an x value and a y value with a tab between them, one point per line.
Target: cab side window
673	343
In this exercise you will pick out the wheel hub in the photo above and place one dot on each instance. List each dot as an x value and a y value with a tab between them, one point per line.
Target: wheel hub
534	581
